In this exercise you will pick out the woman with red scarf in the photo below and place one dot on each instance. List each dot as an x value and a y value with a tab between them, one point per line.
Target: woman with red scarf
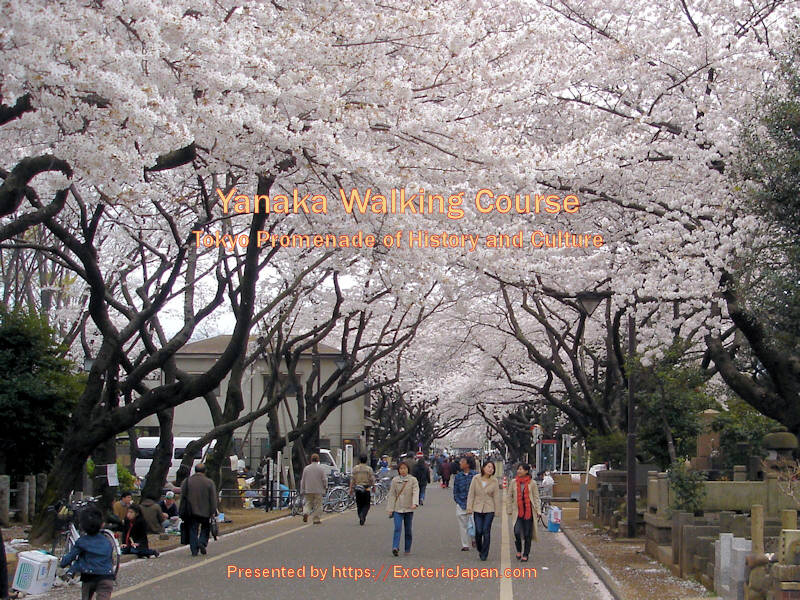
524	504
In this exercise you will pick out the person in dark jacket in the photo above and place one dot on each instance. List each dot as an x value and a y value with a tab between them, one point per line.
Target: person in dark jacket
423	475
134	534
198	505
92	557
444	469
3	570
151	512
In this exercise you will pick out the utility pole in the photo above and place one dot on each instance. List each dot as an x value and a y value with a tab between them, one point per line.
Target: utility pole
631	450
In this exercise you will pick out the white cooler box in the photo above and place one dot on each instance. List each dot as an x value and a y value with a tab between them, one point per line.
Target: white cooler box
35	572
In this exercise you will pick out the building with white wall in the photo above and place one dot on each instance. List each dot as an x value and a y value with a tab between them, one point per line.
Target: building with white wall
347	424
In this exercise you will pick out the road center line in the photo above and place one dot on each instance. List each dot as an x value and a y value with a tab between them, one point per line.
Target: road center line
506	589
202	563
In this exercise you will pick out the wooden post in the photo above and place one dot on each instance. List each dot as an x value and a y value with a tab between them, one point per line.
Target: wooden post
5	499
31	481
789	519
583	509
22	502
757	528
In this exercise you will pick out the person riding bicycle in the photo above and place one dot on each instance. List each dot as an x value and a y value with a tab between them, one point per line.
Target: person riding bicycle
92	557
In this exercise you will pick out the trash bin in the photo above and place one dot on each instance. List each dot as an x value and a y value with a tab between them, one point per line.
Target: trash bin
36	572
554	519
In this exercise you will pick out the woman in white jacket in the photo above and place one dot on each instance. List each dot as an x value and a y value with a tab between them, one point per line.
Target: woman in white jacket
402	501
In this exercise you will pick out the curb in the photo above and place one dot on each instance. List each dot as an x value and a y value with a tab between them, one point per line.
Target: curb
599	570
284	513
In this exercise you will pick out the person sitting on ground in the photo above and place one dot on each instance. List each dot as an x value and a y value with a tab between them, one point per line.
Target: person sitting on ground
134	534
151	512
92	557
169	510
120	507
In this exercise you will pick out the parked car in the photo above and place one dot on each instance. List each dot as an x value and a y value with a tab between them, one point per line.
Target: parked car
598	467
147	447
327	460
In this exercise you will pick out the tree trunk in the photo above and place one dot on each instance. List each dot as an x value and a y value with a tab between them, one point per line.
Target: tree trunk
673	456
68	465
105	454
133	445
162	458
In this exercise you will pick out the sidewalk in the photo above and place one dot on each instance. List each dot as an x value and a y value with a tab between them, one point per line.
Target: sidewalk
623	565
240	519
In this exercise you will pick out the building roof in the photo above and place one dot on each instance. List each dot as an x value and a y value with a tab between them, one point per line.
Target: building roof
217	344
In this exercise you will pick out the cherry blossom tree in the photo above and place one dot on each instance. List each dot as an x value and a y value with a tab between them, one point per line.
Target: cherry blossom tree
120	121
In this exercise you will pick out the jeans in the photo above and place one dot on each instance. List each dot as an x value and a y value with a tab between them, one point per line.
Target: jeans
422	493
401	519
483	532
198	541
523	528
362	504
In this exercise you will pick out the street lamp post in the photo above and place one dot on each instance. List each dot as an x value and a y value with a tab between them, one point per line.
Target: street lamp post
588	301
341	363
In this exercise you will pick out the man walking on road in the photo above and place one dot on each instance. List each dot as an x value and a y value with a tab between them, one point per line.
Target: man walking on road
361	482
313	486
461	483
198	504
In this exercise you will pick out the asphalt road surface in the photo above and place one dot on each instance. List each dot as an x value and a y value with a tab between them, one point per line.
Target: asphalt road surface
340	560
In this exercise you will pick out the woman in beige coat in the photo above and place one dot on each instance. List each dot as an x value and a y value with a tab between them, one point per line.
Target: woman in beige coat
483	501
403	499
524	505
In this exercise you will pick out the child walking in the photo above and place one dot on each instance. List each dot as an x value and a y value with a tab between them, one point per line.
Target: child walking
134	536
92	556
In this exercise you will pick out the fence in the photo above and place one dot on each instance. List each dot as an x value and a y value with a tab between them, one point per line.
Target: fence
268	498
23	501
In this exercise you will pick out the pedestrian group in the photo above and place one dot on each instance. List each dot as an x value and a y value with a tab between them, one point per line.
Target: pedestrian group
477	497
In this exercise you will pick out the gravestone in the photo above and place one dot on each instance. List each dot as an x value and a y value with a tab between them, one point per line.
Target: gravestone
739	551
722	564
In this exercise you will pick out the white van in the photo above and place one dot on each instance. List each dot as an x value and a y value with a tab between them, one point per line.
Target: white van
147	447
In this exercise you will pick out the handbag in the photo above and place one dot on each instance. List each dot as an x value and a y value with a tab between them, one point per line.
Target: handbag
185	509
471	526
214	528
184	533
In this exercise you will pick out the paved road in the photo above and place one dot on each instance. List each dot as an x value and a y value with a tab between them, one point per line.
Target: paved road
328	556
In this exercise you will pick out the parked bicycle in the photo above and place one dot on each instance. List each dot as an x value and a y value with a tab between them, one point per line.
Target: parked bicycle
66	529
381	490
545	510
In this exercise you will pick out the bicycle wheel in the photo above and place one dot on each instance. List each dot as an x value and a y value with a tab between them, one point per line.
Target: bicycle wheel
297	505
333	500
115	554
61	544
